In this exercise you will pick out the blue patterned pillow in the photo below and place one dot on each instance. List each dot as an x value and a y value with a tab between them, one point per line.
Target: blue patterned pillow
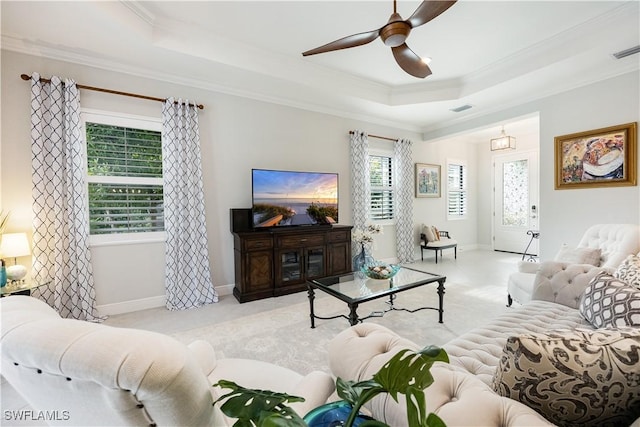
574	378
610	303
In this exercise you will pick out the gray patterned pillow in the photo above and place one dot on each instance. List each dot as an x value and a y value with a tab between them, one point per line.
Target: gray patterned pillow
629	271
580	377
610	303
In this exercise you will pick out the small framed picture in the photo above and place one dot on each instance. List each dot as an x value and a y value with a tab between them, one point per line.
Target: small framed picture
427	180
596	158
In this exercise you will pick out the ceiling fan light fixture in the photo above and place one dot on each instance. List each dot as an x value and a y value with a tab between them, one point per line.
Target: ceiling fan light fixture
503	142
395	32
394	35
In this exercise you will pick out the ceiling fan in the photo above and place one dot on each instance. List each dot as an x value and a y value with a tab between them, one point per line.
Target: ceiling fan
394	34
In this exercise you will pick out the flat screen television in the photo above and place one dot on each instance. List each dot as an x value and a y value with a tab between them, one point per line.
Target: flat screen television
289	198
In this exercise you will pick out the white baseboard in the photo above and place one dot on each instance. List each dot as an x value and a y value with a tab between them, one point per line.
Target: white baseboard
147	303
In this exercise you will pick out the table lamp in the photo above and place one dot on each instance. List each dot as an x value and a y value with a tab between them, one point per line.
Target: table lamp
14	245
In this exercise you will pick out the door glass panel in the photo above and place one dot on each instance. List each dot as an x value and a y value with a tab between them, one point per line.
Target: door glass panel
291	266
515	193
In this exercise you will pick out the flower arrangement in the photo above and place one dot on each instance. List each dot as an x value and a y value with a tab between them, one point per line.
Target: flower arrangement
365	235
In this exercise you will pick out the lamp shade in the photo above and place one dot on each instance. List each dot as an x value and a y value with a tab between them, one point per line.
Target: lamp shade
14	245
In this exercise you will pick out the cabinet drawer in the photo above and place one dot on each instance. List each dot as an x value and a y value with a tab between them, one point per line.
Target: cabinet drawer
301	240
253	244
338	236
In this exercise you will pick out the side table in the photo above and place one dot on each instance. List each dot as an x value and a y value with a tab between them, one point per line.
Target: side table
22	287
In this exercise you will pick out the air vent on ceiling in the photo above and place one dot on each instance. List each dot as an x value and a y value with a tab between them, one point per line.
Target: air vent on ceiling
461	108
627	52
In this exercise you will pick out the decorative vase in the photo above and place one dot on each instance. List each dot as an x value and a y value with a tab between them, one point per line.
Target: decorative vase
333	414
361	259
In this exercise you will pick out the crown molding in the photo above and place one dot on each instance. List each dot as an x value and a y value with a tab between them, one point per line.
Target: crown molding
44	51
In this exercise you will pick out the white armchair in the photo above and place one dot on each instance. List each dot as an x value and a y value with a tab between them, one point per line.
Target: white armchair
613	241
93	374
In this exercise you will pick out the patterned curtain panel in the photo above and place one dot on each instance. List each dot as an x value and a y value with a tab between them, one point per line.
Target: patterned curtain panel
188	277
360	184
404	200
61	215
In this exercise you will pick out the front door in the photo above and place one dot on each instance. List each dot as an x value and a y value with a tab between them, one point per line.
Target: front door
516	207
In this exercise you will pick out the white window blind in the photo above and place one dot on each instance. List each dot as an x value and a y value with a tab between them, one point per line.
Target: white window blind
381	168
456	190
125	177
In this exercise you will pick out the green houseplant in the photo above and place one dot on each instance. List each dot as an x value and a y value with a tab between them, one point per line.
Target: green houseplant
407	373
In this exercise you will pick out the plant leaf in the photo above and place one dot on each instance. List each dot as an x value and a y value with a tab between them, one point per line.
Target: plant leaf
351	391
408	373
258	406
435	421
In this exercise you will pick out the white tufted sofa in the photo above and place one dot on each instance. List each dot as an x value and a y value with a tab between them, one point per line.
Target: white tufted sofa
462	394
616	241
85	374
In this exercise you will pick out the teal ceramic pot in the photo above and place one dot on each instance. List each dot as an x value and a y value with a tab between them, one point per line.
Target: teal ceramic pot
332	415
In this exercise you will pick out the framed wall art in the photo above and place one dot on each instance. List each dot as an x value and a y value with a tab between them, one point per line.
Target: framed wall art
427	180
596	158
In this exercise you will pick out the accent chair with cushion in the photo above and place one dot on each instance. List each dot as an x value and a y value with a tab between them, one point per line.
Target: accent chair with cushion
602	245
436	240
93	374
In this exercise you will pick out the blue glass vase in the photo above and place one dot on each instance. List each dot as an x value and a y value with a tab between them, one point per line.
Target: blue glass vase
361	259
333	414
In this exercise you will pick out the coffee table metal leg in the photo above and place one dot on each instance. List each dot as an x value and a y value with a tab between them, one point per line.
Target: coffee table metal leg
353	315
312	315
441	300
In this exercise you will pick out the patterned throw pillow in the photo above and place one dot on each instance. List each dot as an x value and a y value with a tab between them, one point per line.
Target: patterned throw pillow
610	303
629	271
574	378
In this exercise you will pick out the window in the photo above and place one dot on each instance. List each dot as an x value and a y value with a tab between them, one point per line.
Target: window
456	190
124	162
380	169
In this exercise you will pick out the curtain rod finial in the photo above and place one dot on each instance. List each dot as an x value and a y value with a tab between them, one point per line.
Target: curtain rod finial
25	77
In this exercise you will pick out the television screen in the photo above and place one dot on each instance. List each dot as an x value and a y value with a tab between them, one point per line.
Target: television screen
288	198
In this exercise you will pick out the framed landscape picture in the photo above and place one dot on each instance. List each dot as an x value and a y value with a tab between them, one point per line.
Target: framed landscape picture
597	158
427	180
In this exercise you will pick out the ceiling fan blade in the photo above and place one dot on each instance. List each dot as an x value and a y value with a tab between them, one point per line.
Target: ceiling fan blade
345	42
427	11
410	62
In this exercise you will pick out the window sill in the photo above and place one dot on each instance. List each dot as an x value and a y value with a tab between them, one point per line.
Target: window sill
121	239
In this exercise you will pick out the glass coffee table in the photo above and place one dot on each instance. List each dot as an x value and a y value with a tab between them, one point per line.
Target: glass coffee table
356	288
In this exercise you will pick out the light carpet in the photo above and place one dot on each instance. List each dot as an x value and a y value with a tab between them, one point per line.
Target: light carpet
283	335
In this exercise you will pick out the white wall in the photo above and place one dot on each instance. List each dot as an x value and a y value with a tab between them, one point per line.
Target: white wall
433	211
237	134
566	214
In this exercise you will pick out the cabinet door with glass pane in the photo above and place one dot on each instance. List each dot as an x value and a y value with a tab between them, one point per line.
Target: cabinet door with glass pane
290	266
314	263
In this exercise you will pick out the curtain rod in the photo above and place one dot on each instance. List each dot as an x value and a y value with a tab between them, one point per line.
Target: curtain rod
115	92
376	136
